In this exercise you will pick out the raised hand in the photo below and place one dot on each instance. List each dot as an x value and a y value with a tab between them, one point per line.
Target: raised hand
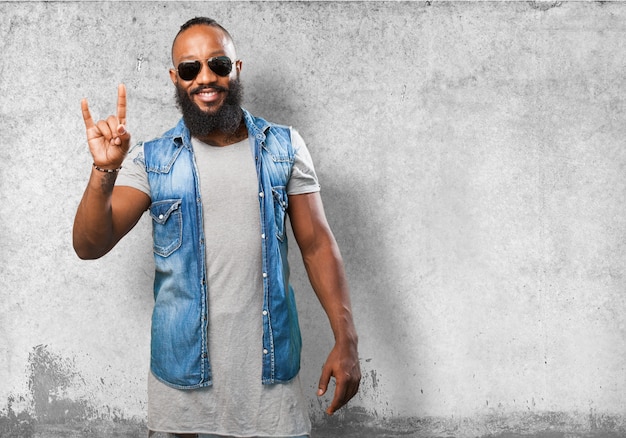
108	139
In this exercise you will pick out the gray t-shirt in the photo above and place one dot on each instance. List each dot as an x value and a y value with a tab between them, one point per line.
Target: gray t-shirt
237	404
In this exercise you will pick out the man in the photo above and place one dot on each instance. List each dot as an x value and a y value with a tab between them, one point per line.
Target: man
225	348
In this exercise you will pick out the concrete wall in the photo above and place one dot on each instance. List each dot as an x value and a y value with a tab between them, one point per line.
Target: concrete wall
472	160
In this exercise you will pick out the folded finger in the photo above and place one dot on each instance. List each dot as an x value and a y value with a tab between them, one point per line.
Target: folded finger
105	129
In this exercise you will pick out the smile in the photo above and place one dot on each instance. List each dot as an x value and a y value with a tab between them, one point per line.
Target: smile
208	95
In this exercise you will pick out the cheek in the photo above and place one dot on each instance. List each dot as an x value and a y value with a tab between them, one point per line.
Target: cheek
183	89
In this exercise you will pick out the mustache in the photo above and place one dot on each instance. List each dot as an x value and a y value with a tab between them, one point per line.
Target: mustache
215	87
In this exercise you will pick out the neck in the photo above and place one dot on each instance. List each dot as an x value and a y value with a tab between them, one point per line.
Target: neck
220	138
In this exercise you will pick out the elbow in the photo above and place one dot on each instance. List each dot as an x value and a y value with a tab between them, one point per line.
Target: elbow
84	254
86	251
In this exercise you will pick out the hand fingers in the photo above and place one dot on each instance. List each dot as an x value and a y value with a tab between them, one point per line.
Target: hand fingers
345	389
114	131
121	131
337	400
121	113
84	106
121	104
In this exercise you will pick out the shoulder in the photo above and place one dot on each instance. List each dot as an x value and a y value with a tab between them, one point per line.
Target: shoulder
296	139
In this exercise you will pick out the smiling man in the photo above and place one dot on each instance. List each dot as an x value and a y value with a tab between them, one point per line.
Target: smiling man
225	345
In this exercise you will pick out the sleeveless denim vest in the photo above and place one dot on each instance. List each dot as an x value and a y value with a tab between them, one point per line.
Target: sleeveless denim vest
179	355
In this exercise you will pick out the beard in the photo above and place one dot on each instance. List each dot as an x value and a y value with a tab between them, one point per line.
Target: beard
226	119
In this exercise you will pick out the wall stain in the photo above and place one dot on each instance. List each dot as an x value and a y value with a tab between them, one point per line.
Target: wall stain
374	379
50	410
358	422
51	377
14	424
544	5
54	407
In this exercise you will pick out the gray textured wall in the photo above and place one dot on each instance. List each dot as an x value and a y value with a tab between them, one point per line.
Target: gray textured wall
472	161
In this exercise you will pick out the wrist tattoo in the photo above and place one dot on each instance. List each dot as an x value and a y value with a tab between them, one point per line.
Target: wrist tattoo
107	182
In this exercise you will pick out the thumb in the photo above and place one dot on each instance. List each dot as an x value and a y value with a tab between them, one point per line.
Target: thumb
123	137
324	380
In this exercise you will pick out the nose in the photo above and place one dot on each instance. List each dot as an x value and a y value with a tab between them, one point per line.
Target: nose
206	75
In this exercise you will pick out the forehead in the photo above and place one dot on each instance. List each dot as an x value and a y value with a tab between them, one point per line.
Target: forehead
202	42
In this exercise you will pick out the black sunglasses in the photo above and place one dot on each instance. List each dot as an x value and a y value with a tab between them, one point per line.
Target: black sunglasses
220	65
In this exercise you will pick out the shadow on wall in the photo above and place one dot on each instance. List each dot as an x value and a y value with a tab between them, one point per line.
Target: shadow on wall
354	218
267	96
355	221
355	215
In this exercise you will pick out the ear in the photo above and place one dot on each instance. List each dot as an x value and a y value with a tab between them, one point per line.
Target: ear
173	76
238	66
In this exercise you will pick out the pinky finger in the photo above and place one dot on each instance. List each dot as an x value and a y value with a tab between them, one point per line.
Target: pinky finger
84	106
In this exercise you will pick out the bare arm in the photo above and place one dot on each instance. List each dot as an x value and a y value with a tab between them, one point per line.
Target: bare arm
106	213
326	273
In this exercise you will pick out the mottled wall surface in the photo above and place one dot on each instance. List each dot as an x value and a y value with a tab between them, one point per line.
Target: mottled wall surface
472	161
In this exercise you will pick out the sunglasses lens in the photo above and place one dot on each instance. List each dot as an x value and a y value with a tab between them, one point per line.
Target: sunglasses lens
189	70
221	65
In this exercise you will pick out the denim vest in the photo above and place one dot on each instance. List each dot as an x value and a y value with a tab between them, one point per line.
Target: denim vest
179	355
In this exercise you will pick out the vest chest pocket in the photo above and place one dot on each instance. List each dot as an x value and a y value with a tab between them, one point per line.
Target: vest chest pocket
167	226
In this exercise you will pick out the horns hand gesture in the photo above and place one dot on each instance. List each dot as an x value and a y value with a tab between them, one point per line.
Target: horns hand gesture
108	139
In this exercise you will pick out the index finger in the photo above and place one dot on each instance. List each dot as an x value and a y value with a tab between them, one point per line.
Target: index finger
121	104
340	397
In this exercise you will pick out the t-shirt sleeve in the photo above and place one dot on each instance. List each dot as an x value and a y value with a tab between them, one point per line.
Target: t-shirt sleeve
133	173
303	177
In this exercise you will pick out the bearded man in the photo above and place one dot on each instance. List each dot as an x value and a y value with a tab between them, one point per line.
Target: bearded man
225	340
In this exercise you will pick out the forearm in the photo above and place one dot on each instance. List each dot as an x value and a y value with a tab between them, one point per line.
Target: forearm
93	225
326	273
327	276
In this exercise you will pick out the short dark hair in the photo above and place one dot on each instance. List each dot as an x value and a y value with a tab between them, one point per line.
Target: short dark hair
204	21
